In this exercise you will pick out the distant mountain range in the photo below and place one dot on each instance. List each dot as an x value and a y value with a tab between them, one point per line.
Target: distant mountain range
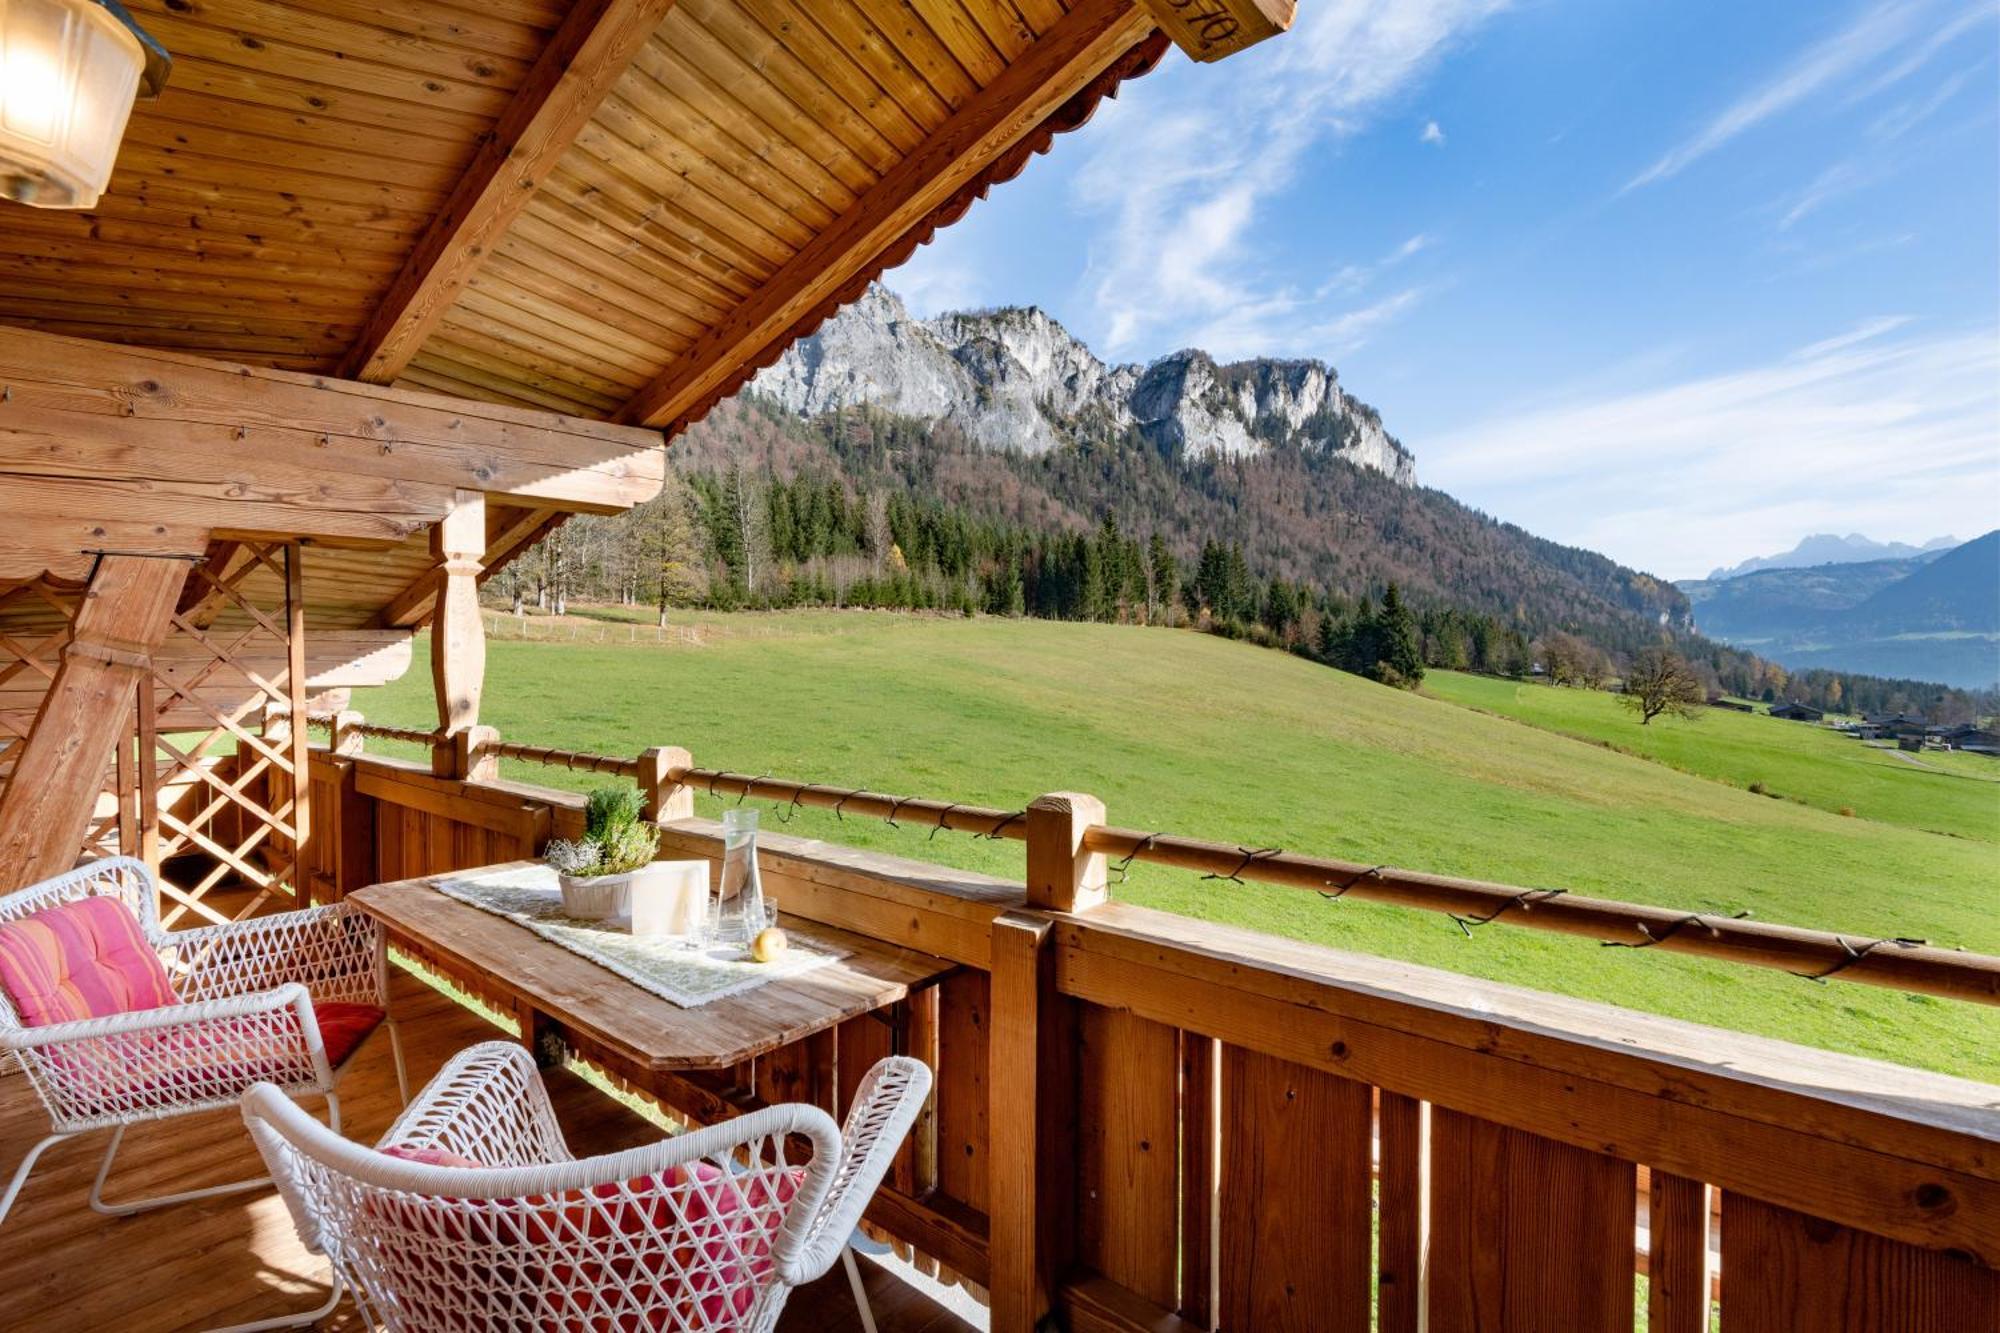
1004	415
1934	615
1823	548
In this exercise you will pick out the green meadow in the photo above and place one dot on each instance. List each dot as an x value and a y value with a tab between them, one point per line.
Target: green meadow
1189	733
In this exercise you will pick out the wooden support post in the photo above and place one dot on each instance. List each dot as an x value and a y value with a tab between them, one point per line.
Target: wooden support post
59	769
666	799
1677	1262
1032	1091
458	639
1062	876
299	747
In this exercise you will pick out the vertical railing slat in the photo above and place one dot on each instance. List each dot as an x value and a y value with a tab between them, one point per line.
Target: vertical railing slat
1127	1116
1404	1192
1527	1234
1295	1206
1677	1256
1785	1272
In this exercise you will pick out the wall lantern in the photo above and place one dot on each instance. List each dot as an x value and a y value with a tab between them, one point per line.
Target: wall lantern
69	72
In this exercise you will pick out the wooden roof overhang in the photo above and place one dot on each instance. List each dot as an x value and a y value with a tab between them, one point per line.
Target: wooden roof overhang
609	211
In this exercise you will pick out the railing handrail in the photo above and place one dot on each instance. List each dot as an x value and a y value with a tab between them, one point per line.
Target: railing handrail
1897	963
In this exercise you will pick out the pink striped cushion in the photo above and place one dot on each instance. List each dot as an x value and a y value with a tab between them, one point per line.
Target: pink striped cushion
85	959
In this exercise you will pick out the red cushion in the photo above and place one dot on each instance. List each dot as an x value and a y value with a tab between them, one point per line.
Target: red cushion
344	1026
723	1227
84	959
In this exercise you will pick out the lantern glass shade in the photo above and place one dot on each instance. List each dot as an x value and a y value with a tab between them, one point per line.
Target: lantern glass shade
69	72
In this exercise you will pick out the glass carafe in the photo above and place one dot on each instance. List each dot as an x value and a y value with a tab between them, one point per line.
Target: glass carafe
736	907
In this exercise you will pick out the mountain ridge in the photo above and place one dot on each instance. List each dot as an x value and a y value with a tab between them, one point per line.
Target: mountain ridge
1825	548
1932	616
1013	378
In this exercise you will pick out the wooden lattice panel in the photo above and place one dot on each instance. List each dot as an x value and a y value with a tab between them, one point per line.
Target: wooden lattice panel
222	793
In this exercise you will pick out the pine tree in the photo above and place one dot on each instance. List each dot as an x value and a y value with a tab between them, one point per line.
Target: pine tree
1400	659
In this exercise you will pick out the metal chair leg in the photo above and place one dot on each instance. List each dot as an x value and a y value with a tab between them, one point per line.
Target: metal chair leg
100	1204
860	1292
21	1172
301	1320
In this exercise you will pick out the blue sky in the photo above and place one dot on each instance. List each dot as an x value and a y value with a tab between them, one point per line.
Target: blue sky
1681	282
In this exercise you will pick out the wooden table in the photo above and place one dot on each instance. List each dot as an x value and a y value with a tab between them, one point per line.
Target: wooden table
562	996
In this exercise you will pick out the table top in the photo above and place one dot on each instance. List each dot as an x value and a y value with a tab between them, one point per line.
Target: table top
612	1012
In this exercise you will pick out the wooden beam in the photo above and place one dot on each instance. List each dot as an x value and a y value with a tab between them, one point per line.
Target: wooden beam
413	605
1208	30
59	769
585	57
128	439
1074	51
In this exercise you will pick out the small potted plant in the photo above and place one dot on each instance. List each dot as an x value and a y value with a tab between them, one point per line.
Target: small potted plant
596	871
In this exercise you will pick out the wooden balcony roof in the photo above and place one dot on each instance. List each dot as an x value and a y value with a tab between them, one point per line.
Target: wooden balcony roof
615	209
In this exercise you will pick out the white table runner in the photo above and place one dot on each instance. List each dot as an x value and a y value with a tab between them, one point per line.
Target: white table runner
530	896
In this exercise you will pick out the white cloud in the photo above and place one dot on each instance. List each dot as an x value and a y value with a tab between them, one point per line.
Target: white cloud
1881	32
1177	261
1866	431
1433	133
930	282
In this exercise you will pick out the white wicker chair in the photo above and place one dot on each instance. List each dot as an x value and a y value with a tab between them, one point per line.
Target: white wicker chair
247	991
701	1233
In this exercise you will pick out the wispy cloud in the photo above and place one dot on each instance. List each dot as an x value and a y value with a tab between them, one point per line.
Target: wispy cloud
1354	277
1890	40
1433	134
1176	260
1872	429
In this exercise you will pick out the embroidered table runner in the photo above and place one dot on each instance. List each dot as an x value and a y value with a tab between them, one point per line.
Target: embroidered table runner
530	896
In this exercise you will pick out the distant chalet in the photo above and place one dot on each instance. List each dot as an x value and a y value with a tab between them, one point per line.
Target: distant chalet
1797	712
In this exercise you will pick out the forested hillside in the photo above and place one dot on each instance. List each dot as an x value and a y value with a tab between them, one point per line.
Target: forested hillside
862	508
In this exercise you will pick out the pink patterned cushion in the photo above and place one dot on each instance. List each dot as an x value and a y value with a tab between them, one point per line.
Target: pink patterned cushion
426	1156
86	959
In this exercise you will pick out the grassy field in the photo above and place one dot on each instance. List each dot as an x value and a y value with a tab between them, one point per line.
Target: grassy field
1950	793
1198	735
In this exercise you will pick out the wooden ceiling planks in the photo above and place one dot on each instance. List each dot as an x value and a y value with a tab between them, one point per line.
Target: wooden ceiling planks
592	206
264	203
702	192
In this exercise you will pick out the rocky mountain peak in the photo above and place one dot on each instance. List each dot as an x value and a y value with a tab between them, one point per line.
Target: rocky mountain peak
1016	379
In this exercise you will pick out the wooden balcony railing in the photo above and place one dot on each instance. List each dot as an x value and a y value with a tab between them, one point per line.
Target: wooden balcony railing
1144	1122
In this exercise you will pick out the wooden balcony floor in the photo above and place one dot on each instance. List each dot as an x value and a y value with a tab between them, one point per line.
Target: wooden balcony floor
236	1258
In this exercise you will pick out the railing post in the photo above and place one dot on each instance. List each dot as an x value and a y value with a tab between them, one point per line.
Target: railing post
468	754
1062	876
666	799
1031	1125
346	737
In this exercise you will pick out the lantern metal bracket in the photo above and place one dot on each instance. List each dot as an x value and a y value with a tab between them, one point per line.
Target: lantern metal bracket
159	61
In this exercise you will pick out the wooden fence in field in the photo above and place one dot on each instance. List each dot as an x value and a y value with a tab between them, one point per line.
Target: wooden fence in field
1144	1122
